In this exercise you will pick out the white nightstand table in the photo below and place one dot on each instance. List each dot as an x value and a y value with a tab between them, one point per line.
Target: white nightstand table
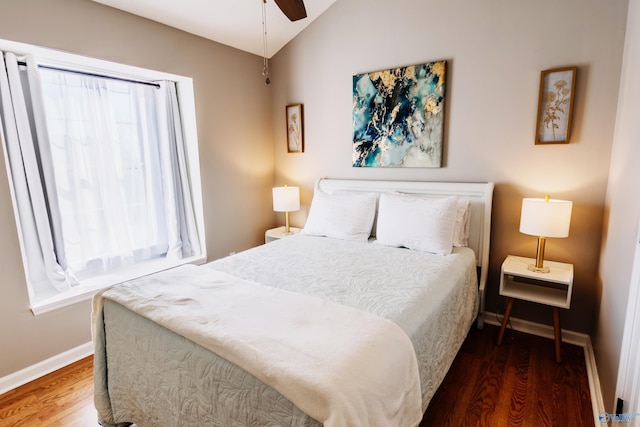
278	233
552	289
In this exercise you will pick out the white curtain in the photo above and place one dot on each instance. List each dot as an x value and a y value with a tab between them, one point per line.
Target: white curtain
99	171
107	170
43	265
119	164
183	239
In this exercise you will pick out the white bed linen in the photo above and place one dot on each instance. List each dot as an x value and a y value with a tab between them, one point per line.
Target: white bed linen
293	342
433	298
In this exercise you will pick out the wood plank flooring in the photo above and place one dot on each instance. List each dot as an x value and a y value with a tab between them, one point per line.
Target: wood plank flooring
62	398
516	384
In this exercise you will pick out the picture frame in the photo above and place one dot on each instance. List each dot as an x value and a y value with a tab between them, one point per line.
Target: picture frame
295	129
398	116
555	105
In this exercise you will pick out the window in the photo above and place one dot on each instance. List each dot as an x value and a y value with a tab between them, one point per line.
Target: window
103	138
104	172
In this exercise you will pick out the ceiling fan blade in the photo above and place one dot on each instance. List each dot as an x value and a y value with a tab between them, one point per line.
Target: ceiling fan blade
293	9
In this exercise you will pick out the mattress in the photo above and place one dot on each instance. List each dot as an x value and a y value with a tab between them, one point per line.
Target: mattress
154	377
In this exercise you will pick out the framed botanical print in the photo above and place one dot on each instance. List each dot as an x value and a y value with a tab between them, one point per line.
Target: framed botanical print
295	134
555	106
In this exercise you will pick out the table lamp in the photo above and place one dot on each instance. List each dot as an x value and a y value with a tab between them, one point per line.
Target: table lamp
286	199
544	218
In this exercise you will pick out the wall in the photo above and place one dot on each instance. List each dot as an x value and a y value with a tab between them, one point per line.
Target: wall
234	129
622	215
495	51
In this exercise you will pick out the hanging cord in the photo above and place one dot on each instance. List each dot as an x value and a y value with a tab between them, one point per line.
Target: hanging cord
265	64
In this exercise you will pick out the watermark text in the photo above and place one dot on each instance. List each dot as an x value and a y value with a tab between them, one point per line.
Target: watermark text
625	417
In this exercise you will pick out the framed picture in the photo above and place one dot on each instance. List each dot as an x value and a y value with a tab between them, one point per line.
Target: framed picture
555	106
295	135
398	117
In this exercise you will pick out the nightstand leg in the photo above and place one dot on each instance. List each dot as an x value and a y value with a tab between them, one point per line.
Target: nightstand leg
505	320
557	332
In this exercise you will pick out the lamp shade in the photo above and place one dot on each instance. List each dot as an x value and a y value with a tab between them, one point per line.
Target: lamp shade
286	199
545	217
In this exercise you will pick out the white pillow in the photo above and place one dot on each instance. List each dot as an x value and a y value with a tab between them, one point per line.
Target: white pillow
347	216
461	227
415	222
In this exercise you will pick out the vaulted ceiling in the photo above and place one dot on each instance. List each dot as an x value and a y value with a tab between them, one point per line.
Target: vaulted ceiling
236	23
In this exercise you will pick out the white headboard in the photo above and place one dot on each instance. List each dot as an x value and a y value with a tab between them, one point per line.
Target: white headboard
480	195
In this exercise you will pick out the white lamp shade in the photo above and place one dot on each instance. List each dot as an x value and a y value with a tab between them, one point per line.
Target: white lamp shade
286	199
545	218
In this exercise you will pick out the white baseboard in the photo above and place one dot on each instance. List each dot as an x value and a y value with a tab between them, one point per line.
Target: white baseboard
570	337
45	367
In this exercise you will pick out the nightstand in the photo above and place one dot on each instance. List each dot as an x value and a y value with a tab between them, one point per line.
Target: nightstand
552	289
278	233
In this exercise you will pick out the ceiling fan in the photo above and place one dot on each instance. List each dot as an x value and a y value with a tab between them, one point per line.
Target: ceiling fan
293	9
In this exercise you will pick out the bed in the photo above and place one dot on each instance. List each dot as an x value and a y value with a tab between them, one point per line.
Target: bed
351	322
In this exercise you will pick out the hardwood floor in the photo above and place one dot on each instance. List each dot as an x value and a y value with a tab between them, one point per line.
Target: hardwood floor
516	384
62	398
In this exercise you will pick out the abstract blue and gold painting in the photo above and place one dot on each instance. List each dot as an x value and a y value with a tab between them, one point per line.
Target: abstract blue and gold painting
398	117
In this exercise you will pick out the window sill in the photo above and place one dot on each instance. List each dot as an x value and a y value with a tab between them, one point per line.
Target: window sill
89	288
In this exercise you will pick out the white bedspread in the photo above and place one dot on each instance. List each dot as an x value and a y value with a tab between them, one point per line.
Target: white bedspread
433	298
295	343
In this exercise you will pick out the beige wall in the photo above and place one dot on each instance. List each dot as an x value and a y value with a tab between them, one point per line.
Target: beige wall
495	52
622	215
234	129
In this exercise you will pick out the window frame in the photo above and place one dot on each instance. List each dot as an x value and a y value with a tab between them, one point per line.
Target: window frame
186	102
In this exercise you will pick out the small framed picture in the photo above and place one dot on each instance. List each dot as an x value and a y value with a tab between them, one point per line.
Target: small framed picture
555	106
295	134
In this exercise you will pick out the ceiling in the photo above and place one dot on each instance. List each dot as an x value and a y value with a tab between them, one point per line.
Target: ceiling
236	23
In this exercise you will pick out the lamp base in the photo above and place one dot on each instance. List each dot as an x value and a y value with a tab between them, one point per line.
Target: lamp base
287	228
539	267
536	269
